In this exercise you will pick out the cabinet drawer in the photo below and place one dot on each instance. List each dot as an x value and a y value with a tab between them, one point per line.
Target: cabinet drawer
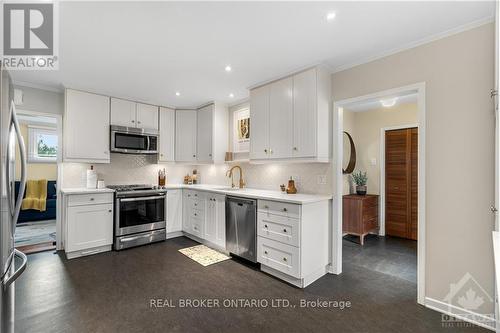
196	204
279	208
197	226
90	199
282	257
280	228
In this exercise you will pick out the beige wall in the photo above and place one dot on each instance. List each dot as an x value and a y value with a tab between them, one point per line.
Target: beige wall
35	170
365	127
459	73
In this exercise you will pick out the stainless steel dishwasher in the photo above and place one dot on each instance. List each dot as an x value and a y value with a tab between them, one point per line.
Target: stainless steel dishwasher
241	227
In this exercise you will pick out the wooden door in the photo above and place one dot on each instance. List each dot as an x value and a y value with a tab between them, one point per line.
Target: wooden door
401	183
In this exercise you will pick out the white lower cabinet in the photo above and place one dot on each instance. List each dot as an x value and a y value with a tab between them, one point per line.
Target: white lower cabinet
88	223
215	221
292	240
174	211
205	217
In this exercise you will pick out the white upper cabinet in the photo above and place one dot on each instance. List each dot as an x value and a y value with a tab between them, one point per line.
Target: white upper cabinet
304	114
122	112
281	119
290	118
86	127
259	122
132	114
208	128
185	135
167	135
205	134
147	116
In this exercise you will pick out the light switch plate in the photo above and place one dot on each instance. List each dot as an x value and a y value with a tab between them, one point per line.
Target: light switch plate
321	179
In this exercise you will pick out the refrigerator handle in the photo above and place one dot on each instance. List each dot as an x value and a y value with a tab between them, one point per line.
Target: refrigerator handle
7	282
22	153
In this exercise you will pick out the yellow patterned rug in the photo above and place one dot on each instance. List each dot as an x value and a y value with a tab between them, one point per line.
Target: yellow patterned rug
203	255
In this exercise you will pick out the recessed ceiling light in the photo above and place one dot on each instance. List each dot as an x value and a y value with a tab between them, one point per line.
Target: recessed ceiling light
228	68
231	95
330	16
388	103
177	93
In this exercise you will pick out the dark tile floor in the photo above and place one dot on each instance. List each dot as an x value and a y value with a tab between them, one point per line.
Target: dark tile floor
111	292
389	255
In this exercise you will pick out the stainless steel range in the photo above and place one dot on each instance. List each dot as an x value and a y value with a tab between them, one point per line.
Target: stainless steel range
139	215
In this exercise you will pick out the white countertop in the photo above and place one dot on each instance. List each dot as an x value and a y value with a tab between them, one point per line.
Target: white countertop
82	190
256	193
226	190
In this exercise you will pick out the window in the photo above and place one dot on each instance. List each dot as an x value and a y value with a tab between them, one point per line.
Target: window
42	145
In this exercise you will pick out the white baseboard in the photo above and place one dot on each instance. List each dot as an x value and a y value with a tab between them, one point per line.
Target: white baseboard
174	234
461	313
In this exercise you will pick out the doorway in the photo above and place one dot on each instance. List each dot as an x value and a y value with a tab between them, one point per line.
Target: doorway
36	229
383	237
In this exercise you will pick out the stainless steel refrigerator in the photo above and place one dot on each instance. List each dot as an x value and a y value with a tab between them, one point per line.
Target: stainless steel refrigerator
13	262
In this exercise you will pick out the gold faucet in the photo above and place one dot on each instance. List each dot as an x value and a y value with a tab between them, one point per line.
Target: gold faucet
229	173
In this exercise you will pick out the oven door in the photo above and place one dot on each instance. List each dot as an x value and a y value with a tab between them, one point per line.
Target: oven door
133	143
139	214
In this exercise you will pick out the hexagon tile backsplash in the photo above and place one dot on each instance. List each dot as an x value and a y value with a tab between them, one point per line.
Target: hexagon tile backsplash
135	169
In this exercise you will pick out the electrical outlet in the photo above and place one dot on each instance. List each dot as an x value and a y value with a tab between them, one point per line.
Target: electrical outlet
321	179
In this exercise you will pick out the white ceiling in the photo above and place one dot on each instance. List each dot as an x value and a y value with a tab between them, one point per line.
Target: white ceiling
148	51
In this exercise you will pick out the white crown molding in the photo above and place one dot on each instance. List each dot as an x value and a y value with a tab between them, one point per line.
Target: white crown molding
408	46
37	86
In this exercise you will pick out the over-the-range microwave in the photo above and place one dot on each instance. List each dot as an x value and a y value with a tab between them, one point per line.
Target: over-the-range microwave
131	140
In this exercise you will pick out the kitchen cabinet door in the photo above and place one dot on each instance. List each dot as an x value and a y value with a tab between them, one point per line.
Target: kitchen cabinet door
89	226
281	119
122	112
205	134
86	127
304	114
167	135
259	126
185	135
174	210
220	220
210	219
147	116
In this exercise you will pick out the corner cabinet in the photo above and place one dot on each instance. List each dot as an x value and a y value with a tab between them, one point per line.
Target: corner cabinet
290	118
185	135
202	135
87	223
204	217
86	127
167	135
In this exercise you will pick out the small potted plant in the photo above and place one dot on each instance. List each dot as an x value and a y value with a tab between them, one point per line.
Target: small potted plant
360	180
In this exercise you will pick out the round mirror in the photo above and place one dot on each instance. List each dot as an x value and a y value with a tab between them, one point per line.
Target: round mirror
349	159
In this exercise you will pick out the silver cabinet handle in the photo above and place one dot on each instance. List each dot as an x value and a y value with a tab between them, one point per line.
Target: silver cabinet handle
265	226
265	252
266	207
7	281
110	211
284	259
133	121
284	230
285	210
92	199
265	151
295	148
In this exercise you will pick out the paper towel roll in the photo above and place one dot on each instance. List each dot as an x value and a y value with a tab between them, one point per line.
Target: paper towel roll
91	179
